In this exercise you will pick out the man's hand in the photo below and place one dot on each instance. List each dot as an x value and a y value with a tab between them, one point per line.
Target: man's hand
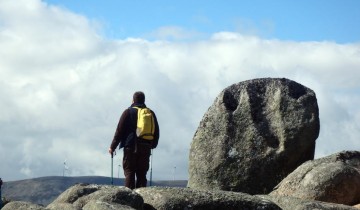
112	152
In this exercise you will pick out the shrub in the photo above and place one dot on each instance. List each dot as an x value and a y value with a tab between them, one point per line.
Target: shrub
4	201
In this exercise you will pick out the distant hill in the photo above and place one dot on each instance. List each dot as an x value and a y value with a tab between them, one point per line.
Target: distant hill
44	190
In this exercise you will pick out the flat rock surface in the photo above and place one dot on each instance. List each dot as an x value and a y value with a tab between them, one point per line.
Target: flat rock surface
292	203
163	198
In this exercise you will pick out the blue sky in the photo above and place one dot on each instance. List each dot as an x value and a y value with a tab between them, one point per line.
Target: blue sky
307	20
69	68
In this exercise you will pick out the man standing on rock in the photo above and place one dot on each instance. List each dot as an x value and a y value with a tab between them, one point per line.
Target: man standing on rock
137	132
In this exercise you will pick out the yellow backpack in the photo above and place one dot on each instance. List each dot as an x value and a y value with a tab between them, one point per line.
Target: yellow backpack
145	127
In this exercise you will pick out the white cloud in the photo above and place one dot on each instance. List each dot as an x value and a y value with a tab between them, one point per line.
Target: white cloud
63	89
174	33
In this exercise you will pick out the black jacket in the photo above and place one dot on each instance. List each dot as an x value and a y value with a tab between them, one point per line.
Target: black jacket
125	131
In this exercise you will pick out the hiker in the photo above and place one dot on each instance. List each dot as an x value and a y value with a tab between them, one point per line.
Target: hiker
137	150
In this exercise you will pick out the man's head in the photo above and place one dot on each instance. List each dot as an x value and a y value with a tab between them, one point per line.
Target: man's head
139	97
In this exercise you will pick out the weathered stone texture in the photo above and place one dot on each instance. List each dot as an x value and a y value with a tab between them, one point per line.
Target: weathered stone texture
93	196
21	205
335	179
99	205
255	133
292	203
164	198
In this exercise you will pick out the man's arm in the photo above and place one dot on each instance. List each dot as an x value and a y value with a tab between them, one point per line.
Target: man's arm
120	131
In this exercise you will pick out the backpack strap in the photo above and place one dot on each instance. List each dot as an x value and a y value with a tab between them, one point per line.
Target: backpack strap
133	120
133	117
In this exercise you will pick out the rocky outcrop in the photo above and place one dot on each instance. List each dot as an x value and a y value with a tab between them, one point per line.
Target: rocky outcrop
85	196
335	179
255	134
292	203
163	198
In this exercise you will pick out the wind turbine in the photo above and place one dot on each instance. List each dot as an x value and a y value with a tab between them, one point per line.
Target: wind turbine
174	173
65	168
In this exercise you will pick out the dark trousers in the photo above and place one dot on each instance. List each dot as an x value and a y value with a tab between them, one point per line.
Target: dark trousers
136	164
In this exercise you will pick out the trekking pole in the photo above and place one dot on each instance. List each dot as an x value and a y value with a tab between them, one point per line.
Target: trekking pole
151	157
112	164
0	193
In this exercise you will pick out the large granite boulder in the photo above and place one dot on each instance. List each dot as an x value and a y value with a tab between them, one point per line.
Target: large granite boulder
254	134
164	198
92	196
335	179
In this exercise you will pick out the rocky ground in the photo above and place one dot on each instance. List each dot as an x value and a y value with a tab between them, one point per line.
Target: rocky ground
332	182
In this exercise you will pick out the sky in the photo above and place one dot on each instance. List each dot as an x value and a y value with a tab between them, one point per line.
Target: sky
68	69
